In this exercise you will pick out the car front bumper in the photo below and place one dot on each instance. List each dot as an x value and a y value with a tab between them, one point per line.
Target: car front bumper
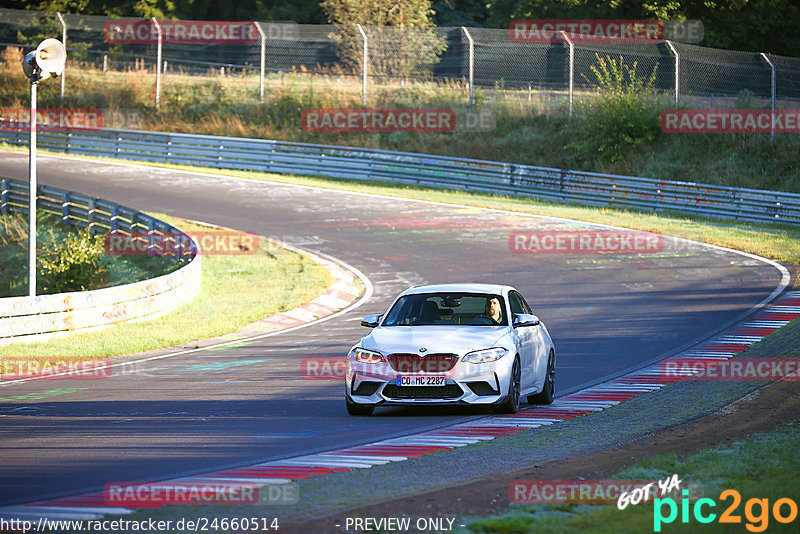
466	383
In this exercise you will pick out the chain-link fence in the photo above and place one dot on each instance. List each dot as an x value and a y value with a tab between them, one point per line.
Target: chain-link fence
475	58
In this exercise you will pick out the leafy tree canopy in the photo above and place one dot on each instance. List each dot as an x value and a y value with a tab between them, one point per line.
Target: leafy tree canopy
756	25
416	13
301	11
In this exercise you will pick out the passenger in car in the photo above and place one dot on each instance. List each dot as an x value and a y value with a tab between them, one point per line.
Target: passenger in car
429	313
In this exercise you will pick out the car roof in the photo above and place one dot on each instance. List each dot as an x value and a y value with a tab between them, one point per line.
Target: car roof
494	289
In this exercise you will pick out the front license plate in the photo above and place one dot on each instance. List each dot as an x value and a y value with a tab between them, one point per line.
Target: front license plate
421	380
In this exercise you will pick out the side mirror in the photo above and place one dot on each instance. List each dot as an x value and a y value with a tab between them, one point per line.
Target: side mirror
525	319
371	321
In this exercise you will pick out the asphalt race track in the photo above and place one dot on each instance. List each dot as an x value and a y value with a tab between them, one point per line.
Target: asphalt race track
186	414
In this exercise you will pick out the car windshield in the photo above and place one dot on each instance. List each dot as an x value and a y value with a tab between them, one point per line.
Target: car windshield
474	309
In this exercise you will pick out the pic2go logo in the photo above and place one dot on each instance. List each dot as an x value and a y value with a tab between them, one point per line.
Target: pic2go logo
757	512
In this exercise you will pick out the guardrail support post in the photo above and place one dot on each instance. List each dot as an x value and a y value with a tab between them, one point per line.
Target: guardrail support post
65	206
773	83
158	64
365	60
91	217
471	63
152	248
263	59
677	71
114	218
3	196
571	69
64	42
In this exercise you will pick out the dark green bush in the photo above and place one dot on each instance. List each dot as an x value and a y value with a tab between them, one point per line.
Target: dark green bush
73	262
68	258
624	116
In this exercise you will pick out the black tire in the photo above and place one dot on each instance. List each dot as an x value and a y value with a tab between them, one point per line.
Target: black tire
511	403
549	390
358	409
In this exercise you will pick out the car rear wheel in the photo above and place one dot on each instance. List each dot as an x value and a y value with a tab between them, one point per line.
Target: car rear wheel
549	389
511	402
358	409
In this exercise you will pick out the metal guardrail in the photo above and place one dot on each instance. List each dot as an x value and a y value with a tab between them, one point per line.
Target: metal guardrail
587	188
29	318
93	213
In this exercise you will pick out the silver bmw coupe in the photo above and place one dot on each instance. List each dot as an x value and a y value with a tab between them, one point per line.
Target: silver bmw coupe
452	344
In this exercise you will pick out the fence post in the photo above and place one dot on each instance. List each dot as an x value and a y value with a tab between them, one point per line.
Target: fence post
64	42
263	58
471	63
571	69
158	64
677	72
365	60
773	82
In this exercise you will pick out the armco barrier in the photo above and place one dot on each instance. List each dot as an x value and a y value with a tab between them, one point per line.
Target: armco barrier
559	185
43	316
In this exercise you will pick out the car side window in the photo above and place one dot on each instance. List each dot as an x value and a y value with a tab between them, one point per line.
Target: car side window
528	309
516	303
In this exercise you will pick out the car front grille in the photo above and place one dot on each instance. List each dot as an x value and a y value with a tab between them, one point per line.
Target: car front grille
450	391
430	363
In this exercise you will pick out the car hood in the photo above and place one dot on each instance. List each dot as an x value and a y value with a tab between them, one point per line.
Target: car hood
434	338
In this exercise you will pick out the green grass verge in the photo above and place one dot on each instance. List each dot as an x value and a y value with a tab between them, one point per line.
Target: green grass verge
236	290
775	241
764	466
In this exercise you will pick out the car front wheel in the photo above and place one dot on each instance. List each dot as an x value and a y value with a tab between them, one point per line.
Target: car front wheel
511	402
358	409
549	389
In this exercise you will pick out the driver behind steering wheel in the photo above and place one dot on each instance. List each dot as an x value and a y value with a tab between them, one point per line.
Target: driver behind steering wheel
494	310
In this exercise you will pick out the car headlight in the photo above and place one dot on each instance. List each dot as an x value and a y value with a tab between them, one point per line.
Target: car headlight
485	355
366	356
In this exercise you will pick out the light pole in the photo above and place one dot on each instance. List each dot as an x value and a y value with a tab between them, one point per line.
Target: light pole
45	62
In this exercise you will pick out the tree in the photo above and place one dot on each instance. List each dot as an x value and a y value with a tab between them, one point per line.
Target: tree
300	11
472	13
755	25
400	33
